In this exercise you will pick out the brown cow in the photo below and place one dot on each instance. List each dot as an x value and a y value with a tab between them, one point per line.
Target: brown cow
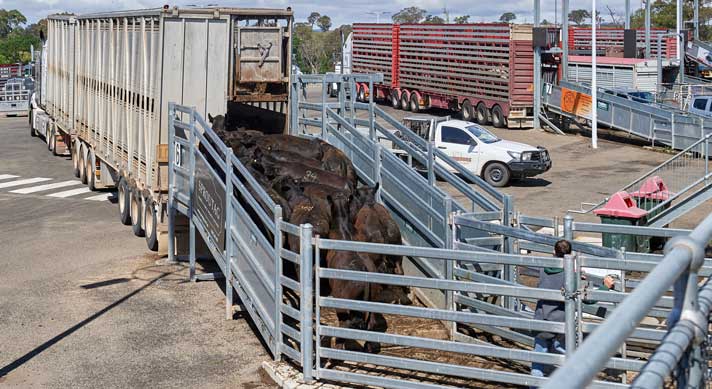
334	160
307	148
302	173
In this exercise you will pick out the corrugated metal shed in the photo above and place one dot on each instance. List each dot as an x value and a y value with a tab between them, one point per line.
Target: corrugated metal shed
612	73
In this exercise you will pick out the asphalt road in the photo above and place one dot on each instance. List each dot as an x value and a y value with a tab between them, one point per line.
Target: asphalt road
84	304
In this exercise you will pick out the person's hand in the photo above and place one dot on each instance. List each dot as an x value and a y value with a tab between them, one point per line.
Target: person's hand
609	282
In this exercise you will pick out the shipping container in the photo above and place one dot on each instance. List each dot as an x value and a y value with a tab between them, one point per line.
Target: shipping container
484	71
109	79
616	73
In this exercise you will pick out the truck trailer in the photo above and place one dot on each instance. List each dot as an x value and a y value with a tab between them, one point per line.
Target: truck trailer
484	71
109	78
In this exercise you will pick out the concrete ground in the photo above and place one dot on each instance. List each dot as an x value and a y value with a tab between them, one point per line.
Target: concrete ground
84	304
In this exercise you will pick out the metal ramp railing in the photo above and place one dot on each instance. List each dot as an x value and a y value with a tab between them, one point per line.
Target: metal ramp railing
687	180
660	124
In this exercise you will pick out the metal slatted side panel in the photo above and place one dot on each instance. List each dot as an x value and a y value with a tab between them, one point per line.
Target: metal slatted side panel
462	60
60	71
522	73
372	49
613	38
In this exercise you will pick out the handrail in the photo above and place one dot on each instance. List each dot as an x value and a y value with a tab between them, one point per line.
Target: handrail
682	256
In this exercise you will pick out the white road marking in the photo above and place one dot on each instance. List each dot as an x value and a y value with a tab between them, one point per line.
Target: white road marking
23	182
71	192
6	176
40	188
101	197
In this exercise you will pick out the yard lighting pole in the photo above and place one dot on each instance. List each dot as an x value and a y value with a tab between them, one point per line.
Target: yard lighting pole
696	19
594	89
647	28
627	14
565	39
378	15
680	42
537	68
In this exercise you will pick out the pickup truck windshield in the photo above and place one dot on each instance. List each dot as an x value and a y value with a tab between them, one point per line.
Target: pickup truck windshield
482	134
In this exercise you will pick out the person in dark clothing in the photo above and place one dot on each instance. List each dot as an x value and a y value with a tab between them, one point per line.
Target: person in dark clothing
553	278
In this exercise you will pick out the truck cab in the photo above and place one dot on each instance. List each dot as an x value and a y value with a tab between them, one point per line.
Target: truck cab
494	159
701	105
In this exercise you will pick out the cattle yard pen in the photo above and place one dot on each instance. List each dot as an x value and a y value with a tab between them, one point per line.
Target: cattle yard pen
466	264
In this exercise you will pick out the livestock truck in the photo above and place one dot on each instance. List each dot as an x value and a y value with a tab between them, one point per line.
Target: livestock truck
108	79
483	71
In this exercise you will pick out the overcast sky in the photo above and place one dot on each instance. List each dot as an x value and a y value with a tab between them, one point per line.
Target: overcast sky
341	12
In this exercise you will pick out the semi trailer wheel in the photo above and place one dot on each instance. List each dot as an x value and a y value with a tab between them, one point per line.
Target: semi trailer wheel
136	213
498	117
50	137
361	94
89	169
124	202
497	174
33	133
404	102
414	104
482	114
75	158
82	168
395	100
150	221
466	111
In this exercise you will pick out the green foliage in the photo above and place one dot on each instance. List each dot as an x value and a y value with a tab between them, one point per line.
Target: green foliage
663	13
579	16
15	40
464	19
324	22
317	51
409	15
430	19
313	17
507	17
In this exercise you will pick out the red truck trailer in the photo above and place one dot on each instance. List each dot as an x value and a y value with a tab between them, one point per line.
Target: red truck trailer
612	38
484	71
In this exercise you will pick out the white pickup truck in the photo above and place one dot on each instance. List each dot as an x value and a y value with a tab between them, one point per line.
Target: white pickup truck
495	160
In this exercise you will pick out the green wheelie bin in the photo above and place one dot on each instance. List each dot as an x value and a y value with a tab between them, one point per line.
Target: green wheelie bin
622	210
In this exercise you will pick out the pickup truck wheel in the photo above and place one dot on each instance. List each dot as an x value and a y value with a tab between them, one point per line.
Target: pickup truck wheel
136	213
405	103
466	111
124	202
497	117
149	221
414	105
497	174
482	114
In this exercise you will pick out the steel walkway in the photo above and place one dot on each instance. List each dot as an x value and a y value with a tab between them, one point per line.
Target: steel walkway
656	123
688	183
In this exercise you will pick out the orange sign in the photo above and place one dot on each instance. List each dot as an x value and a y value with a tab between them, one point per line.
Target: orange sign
576	103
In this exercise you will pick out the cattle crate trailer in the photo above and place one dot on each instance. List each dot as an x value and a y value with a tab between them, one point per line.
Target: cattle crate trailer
484	71
109	78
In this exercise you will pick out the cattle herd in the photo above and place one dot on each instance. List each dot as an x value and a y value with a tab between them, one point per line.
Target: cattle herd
316	183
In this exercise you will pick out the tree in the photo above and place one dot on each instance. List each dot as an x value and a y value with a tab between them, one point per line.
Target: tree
663	14
464	19
409	15
579	16
324	22
507	17
313	17
10	20
430	19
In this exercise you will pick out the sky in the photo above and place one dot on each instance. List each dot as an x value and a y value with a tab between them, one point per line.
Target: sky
341	12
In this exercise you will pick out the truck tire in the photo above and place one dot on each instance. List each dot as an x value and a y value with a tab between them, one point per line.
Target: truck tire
395	100
150	220
498	117
361	94
50	135
405	102
497	174
124	196
82	168
136	211
33	133
466	111
75	157
481	114
89	170
414	104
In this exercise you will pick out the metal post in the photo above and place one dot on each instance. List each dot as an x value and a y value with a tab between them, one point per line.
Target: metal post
680	41
191	225
594	77
278	282
627	14
228	235
449	265
371	114
570	303
379	165
171	184
568	227
689	310
431	163
317	310
696	19
507	247
647	28
565	39
323	108
660	62
306	299
537	68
